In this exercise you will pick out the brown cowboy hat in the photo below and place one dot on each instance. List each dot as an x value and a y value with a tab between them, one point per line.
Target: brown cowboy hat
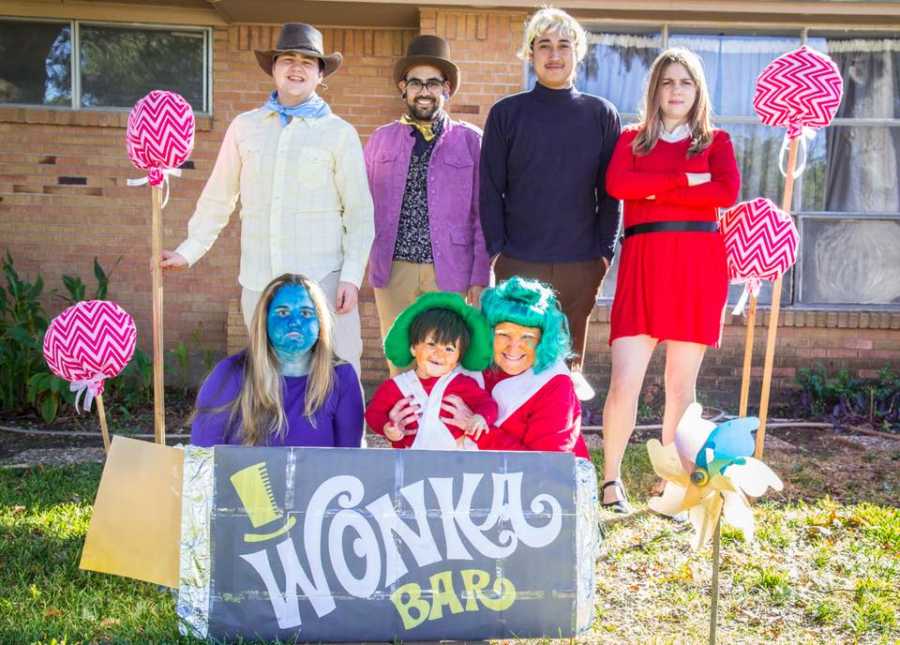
303	39
429	50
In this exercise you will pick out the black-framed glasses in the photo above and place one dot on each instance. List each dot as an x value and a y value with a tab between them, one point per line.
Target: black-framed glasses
433	85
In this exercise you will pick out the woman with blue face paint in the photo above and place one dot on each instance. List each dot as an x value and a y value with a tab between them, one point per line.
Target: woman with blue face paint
286	388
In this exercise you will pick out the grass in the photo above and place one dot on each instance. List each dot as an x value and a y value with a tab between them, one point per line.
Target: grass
820	570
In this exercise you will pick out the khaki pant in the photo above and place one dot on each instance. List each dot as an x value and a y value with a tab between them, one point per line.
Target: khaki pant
409	280
347	330
577	285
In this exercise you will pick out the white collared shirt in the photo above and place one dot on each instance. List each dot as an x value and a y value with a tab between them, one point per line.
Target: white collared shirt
305	201
680	132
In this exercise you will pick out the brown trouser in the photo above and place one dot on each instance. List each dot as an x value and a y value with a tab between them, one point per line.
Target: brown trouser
577	285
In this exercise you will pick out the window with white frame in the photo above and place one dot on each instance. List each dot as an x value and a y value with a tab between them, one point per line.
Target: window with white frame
86	65
847	202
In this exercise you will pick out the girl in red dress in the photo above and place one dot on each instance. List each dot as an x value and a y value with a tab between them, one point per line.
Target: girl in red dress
673	171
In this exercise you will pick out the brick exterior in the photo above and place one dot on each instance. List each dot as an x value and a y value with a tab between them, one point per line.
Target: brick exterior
56	225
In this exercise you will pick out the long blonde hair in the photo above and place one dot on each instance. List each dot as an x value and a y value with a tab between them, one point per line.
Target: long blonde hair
259	406
700	116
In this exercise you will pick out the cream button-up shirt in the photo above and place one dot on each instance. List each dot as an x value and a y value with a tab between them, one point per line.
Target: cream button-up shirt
305	202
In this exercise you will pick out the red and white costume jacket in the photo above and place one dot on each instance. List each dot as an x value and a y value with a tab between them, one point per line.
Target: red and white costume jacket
537	412
431	432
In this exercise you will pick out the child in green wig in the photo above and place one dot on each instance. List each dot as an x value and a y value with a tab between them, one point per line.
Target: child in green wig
437	333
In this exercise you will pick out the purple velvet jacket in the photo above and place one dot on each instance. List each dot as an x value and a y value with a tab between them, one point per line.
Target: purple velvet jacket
457	242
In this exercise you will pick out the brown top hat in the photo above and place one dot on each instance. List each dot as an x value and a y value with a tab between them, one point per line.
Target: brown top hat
303	39
429	50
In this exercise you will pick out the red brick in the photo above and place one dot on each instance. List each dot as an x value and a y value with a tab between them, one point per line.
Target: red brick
61	233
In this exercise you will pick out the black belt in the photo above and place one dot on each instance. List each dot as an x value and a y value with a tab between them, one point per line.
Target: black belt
670	227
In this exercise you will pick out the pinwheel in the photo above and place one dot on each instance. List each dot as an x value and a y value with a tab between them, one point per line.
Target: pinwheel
709	471
159	139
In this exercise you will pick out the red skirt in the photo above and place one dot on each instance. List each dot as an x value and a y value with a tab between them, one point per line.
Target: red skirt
671	286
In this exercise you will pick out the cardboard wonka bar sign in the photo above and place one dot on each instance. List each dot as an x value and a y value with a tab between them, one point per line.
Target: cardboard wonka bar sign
325	544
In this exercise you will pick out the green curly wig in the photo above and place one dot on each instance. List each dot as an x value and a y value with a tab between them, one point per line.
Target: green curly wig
530	303
478	354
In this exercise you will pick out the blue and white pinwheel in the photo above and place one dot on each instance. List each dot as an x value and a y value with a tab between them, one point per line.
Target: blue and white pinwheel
709	471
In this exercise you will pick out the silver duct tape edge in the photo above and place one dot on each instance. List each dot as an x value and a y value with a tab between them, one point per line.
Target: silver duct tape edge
195	565
588	538
195	562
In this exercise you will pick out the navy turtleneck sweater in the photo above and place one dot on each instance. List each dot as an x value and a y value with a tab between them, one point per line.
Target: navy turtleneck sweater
543	166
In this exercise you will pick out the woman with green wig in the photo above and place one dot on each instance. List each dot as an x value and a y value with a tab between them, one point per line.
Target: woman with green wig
529	379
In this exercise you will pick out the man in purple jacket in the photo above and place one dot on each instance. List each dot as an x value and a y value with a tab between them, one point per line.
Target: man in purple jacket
423	174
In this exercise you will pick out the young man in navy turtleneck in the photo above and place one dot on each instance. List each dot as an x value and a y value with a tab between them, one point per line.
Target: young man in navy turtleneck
544	207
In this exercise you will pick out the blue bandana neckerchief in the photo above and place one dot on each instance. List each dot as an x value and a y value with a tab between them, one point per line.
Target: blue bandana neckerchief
314	107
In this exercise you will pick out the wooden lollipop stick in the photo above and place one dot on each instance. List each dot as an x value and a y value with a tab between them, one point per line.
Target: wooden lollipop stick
159	414
748	357
104	429
773	313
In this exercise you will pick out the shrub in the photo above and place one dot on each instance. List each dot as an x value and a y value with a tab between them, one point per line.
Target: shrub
24	377
851	400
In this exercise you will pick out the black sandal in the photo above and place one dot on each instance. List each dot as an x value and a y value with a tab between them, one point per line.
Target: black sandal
620	505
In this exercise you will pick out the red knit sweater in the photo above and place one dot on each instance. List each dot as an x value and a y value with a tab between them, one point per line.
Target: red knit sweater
663	174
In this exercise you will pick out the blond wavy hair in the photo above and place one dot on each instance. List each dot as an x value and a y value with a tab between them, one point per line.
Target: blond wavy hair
700	116
554	20
259	406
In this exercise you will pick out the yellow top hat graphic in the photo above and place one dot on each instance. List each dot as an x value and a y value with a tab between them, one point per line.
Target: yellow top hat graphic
255	491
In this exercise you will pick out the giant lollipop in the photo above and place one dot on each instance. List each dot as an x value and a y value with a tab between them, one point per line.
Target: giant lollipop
89	342
800	91
159	139
760	244
160	135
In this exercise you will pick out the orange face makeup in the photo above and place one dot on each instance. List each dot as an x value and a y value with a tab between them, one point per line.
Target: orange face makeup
515	347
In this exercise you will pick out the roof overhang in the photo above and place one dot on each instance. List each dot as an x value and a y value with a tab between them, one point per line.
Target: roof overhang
835	14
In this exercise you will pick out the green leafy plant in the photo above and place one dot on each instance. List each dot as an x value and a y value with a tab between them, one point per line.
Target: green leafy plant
45	392
24	377
77	289
207	355
844	398
133	388
22	326
180	360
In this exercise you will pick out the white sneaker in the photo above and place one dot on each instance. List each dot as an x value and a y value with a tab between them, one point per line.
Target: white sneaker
583	390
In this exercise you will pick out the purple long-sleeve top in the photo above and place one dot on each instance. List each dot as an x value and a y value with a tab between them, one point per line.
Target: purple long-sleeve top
338	423
457	242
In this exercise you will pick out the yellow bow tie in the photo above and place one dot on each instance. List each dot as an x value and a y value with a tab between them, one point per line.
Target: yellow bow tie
426	128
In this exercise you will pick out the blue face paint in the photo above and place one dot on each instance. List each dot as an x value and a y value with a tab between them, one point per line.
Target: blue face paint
292	323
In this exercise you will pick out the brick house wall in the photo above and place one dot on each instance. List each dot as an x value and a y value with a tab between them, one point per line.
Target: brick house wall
64	200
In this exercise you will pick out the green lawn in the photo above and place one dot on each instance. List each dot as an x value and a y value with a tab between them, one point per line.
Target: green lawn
819	571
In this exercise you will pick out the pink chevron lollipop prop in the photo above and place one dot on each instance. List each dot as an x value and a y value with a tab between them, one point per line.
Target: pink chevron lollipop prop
160	136
90	341
760	244
799	89
159	139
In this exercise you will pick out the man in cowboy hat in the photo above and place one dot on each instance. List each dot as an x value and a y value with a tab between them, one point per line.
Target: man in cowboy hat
423	172
300	175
